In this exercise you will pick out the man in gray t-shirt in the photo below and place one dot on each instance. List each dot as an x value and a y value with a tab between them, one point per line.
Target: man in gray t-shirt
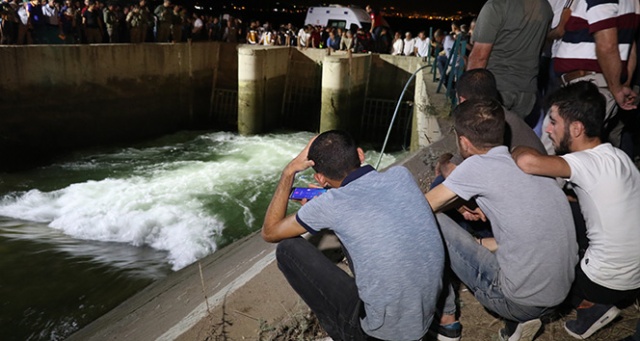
508	40
390	235
535	249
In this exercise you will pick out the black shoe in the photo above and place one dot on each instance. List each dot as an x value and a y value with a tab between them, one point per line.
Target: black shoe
449	332
590	320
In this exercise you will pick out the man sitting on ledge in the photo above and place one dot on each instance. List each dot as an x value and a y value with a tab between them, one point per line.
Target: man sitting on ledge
607	185
531	270
389	233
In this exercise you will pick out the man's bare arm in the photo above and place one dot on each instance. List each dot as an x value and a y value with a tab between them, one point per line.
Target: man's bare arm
532	162
631	64
609	60
558	31
440	198
479	56
277	226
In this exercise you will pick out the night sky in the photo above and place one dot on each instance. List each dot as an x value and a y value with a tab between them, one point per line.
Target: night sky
441	6
444	6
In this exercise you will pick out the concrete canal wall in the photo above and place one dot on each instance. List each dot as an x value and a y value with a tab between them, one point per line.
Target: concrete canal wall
63	97
58	97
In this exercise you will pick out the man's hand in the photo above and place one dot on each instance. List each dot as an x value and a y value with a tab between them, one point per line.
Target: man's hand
625	97
277	225
444	166
300	162
472	215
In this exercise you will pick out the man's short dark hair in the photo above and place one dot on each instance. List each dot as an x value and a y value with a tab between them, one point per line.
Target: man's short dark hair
477	84
334	154
581	102
481	121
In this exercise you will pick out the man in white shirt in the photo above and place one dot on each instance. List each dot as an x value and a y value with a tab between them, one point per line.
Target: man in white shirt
409	44
304	36
51	12
422	45
607	184
398	45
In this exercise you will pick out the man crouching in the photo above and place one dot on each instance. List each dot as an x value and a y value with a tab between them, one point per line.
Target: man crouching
387	228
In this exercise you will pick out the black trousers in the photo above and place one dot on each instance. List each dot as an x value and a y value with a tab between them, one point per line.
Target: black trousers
329	291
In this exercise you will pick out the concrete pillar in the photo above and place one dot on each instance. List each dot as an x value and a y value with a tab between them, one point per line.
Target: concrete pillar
426	129
344	80
251	87
262	73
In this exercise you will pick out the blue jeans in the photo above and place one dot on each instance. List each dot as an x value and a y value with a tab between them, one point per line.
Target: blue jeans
478	269
329	291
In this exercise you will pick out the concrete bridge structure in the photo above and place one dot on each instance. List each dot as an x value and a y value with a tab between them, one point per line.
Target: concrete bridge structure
55	98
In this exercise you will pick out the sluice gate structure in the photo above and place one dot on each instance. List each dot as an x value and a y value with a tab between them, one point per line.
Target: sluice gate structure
56	98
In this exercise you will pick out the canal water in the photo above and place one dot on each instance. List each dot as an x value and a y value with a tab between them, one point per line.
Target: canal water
80	236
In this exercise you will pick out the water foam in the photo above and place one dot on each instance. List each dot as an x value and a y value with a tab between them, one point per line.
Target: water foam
164	204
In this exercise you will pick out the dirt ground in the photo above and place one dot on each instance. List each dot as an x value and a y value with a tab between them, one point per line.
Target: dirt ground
478	324
269	310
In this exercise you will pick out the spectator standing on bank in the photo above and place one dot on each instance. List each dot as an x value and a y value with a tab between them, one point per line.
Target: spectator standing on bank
398	45
163	14
443	56
333	42
176	25
35	21
599	45
230	34
316	37
377	22
8	22
111	23
508	40
148	22
422	44
409	44
290	36
68	22
136	25
252	34
303	37
346	43
197	28
215	29
24	35
92	23
53	29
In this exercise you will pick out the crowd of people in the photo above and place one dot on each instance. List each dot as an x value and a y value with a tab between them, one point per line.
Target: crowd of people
532	223
94	21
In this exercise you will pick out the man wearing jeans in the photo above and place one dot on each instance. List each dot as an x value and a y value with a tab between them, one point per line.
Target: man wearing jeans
389	233
532	267
607	184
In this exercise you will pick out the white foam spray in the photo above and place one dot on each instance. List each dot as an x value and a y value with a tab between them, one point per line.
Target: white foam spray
163	204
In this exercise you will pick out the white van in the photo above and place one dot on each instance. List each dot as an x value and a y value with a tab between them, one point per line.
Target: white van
338	17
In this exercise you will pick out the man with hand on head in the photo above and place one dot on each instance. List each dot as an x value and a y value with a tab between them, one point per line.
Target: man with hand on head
607	184
387	230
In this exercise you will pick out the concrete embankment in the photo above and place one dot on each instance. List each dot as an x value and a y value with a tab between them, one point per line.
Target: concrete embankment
62	97
245	293
55	98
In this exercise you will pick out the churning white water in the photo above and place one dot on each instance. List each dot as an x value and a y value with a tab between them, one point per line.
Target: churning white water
177	198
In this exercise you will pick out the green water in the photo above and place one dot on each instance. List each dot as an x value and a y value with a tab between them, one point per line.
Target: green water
81	235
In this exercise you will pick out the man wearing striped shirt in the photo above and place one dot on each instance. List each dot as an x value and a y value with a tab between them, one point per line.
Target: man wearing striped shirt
599	46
